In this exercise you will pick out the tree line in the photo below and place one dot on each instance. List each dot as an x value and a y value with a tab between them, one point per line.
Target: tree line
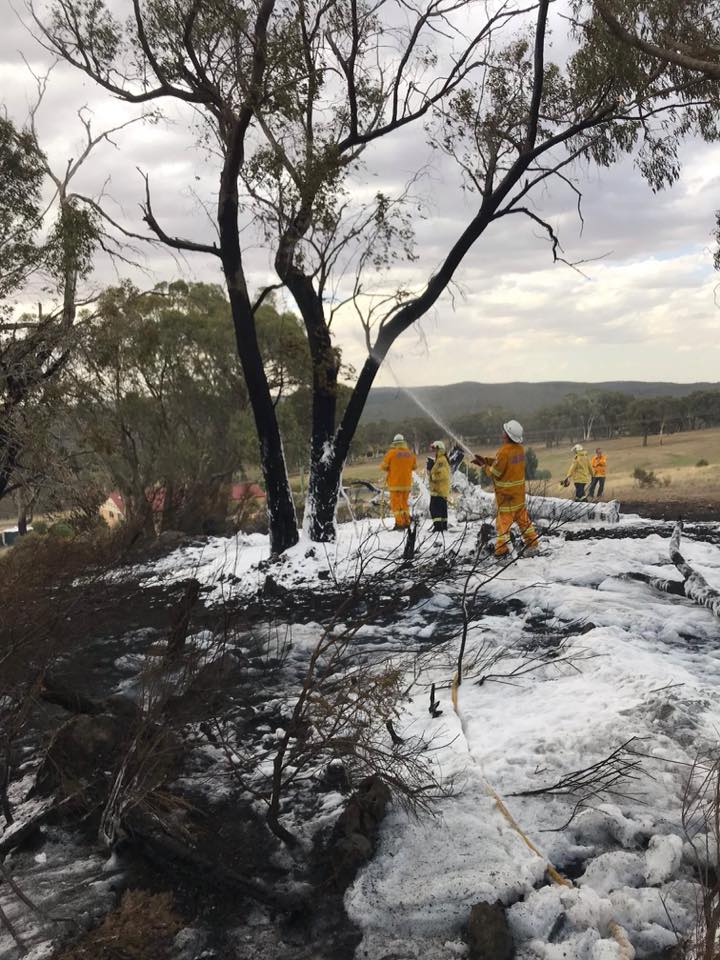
590	416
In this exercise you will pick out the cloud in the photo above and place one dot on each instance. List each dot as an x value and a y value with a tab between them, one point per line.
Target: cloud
647	294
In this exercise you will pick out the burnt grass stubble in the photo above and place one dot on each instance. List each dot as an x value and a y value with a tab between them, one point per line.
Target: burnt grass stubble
107	637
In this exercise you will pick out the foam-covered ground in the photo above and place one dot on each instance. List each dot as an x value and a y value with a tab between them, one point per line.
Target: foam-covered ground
641	664
575	660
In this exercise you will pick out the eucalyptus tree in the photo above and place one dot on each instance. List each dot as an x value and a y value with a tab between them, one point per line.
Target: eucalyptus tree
680	33
49	234
53	241
683	36
301	97
157	399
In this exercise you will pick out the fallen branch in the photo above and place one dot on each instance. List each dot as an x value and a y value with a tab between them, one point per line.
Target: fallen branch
19	831
676	587
693	585
696	586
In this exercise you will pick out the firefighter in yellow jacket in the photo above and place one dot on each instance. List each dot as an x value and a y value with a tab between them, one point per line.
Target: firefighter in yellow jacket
439	475
507	470
398	464
580	471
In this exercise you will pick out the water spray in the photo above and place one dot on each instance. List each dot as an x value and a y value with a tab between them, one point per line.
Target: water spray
433	416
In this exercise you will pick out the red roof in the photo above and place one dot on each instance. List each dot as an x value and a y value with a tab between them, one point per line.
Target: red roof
118	499
155	496
245	489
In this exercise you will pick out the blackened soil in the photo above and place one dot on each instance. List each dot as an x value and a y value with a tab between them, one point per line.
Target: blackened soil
694	510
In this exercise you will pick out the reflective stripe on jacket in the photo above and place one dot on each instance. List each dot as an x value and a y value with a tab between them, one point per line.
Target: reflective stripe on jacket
599	465
579	471
440	477
398	464
508	474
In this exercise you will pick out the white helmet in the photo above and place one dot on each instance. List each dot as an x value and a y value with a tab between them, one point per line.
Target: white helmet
398	438
438	445
577	448
514	430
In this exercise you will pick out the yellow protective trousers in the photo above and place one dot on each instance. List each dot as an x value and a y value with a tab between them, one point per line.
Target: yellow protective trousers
504	520
399	506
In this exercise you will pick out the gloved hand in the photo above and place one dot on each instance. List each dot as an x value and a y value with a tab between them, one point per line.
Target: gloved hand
480	461
429	464
565	482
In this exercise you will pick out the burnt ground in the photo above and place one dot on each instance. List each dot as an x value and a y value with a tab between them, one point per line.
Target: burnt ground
670	509
237	890
196	832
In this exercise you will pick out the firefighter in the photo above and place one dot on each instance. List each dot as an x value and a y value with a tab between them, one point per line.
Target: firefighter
579	472
507	471
599	472
398	464
439	471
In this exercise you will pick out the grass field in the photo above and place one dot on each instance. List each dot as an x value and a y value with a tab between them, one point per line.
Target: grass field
673	462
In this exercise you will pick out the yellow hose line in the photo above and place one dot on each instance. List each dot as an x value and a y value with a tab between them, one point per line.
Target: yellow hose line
554	875
627	951
618	934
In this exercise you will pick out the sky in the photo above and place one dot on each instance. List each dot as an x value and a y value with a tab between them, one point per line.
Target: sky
645	306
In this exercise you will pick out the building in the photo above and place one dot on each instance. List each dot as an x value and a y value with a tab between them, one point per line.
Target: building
113	509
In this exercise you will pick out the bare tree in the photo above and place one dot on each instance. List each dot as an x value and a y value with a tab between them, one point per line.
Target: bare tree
294	94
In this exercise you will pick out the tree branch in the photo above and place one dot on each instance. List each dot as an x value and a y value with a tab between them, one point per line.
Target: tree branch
176	242
680	59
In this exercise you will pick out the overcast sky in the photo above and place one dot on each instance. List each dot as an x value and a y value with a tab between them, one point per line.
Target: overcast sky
645	311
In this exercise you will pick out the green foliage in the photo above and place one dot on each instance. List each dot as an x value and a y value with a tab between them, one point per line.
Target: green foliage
691	101
61	530
72	241
542	474
40	527
702	463
159	394
71	238
21	177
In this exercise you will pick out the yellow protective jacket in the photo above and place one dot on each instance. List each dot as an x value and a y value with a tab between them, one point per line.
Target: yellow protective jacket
440	477
599	465
508	474
580	471
398	464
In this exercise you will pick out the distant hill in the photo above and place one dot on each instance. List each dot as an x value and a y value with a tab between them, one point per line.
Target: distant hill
456	399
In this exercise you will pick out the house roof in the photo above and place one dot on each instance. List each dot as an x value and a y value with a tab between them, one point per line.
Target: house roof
155	496
118	499
246	488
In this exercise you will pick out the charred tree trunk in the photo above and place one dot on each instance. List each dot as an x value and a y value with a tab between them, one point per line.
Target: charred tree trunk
282	520
324	477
